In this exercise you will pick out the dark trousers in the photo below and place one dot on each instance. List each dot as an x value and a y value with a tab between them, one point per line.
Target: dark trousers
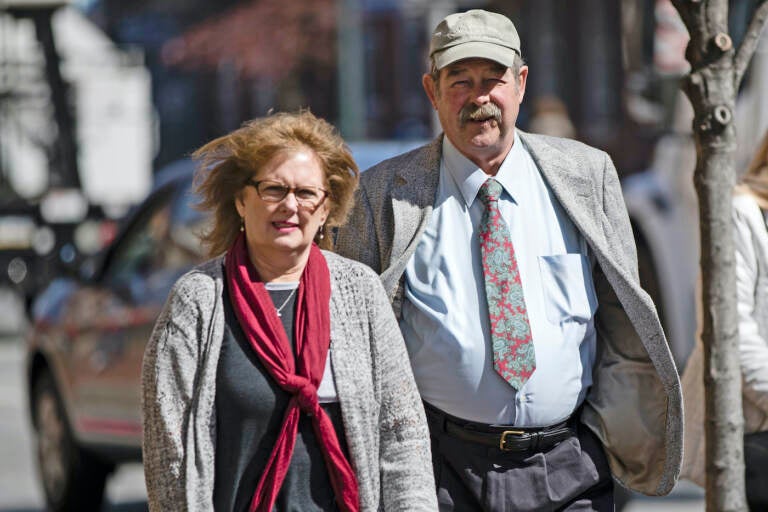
756	474
573	475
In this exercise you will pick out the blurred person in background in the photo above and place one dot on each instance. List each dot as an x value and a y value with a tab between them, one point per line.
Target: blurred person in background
510	261
274	378
750	218
550	117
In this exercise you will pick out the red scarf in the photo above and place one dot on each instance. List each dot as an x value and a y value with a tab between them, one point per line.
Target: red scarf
299	376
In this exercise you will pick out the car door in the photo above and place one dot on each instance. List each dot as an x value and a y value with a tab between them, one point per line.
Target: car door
115	317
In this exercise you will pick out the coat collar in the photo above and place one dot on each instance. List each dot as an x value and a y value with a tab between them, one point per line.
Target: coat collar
415	186
416	183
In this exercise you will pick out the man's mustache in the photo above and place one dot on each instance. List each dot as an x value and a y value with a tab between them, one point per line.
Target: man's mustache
473	112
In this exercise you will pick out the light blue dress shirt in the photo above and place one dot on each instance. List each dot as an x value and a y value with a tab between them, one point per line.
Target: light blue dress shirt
445	316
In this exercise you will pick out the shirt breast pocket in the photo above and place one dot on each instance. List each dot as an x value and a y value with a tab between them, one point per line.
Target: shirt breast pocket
569	292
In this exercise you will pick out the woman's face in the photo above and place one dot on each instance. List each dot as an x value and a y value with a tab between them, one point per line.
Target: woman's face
287	225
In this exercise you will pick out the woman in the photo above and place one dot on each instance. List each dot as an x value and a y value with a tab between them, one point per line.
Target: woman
750	213
276	377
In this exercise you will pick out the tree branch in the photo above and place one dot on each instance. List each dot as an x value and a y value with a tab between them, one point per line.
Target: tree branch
749	44
716	16
694	17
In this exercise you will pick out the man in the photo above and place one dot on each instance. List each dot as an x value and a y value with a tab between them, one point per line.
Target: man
510	262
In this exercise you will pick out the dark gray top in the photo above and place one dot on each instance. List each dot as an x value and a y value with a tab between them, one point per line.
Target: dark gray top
249	412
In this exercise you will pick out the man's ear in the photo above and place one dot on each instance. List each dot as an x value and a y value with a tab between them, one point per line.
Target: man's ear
430	87
522	79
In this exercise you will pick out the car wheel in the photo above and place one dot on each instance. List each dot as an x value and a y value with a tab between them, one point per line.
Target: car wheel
72	479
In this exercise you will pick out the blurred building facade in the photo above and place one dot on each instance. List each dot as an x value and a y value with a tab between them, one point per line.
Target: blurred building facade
75	138
359	64
603	71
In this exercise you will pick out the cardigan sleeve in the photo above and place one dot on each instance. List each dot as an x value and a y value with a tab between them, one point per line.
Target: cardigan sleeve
753	347
169	378
405	461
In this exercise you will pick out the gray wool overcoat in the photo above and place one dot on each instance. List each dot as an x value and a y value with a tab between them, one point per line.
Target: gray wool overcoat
634	405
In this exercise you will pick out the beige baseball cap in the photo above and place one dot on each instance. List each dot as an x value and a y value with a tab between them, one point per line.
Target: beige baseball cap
474	34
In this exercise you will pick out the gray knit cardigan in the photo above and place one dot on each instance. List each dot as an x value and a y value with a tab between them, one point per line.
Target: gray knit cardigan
384	421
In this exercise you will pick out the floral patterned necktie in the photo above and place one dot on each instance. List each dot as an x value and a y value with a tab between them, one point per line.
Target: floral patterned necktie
513	354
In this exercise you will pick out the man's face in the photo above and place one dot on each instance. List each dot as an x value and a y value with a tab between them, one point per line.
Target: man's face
477	101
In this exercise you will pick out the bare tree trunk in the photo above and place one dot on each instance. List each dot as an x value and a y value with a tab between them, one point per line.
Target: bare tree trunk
712	85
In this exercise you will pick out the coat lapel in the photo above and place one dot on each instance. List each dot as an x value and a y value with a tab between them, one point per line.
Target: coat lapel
574	187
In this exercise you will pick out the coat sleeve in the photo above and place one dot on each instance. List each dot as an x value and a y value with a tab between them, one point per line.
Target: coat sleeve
616	212
405	461
356	240
169	374
753	347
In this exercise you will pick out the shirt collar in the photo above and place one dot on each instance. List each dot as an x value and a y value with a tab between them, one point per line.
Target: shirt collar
469	177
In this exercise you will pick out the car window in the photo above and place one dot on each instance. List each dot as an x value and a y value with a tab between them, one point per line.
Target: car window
162	244
188	225
139	252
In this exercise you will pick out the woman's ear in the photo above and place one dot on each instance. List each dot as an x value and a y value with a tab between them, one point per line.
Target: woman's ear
240	205
326	211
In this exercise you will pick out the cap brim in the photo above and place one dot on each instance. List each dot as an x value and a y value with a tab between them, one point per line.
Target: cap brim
475	50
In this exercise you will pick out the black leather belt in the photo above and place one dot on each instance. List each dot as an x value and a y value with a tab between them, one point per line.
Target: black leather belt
508	439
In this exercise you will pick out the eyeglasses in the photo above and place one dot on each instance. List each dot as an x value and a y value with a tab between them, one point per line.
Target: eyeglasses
274	192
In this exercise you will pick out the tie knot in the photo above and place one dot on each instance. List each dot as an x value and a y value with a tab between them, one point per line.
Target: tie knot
490	191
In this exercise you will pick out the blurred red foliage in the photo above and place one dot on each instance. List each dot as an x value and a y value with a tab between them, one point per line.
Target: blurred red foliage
261	38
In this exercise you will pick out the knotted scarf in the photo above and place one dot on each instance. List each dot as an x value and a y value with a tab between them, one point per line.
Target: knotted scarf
299	375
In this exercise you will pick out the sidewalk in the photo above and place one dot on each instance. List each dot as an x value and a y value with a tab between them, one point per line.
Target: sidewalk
685	497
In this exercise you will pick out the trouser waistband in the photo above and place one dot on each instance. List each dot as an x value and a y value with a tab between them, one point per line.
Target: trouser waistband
508	438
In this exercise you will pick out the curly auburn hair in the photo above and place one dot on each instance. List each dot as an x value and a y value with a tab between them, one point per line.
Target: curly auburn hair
227	163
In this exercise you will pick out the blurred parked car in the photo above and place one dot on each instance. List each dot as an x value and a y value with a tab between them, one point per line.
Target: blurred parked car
86	344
